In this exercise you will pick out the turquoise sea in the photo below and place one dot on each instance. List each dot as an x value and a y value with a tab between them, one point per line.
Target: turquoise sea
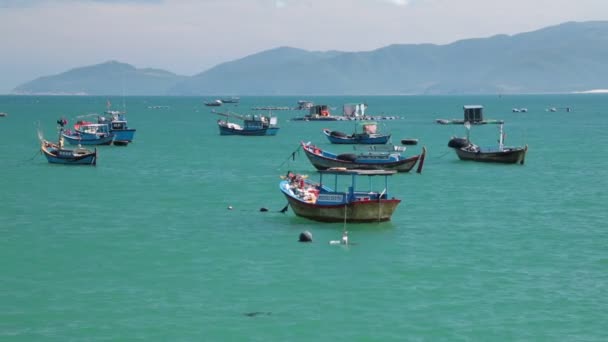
143	247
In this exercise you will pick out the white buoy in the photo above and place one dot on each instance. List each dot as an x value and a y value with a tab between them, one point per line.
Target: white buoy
344	240
229	207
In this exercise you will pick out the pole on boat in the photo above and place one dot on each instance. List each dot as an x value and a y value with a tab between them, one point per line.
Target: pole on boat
501	138
344	239
467	125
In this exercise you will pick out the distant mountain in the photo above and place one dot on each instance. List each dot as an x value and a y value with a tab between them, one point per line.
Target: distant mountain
562	58
110	78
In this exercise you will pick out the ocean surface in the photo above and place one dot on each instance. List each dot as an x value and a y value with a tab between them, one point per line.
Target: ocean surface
144	247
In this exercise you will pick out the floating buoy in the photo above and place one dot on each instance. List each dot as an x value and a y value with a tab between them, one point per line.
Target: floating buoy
305	236
409	141
229	207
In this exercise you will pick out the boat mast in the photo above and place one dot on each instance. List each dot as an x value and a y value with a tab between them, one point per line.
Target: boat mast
501	140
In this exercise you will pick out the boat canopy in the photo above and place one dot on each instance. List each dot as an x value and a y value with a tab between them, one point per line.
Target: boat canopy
339	171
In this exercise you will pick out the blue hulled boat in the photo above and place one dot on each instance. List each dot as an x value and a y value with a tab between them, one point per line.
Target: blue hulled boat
57	154
117	123
367	133
253	125
86	133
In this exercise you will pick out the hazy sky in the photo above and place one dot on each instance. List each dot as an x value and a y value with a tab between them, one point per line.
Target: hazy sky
45	37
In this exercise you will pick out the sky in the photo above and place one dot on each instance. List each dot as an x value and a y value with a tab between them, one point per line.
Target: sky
47	37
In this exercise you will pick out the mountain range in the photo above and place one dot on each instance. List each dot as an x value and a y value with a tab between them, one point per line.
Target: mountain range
563	58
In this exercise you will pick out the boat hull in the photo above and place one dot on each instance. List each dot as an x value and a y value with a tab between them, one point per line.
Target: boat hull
360	211
77	140
364	139
123	136
250	132
321	162
359	140
511	156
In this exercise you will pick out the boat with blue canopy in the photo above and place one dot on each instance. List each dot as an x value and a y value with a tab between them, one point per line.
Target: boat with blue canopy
359	203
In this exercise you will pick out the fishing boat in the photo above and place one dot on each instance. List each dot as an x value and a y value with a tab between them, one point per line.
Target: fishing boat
118	126
317	201
466	150
254	125
376	157
304	104
86	133
57	154
232	99
214	103
365	133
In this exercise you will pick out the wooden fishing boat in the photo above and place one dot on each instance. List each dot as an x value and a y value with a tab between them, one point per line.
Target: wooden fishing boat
375	158
365	133
317	201
253	125
57	154
466	150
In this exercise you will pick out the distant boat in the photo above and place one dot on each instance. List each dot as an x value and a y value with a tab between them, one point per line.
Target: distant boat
214	103
232	99
365	133
253	125
380	157
466	150
319	113
303	104
3	114
317	201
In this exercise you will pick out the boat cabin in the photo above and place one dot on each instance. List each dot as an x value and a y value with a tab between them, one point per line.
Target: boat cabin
355	191
473	113
94	129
